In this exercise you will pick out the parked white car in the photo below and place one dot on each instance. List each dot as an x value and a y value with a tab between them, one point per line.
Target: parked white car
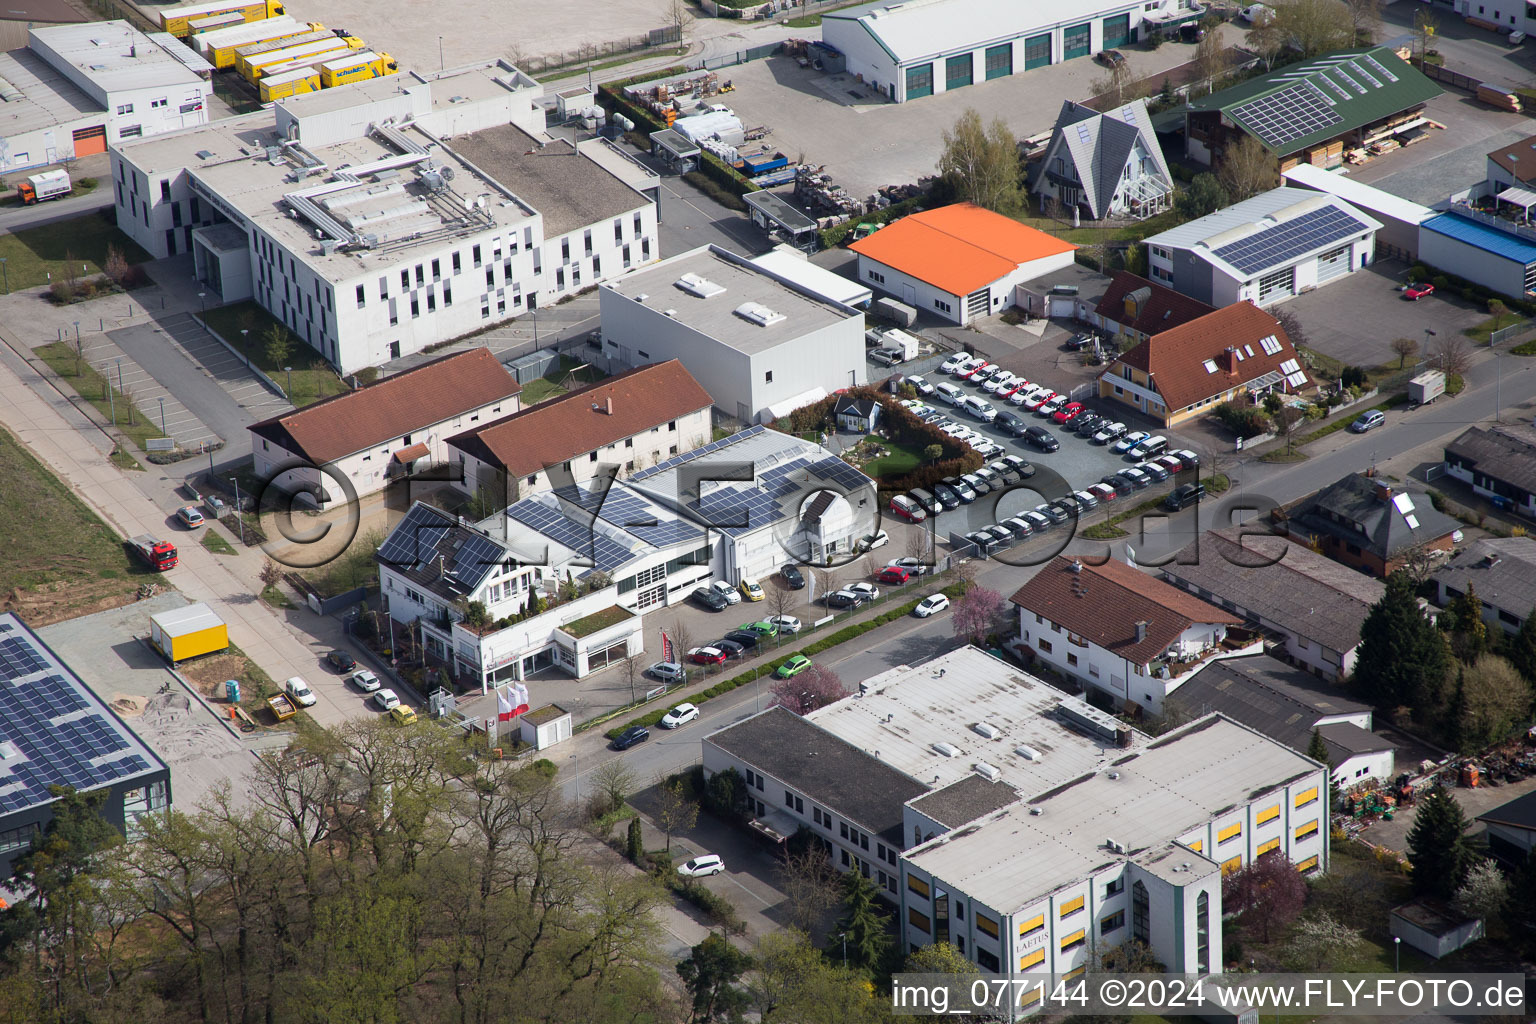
365	680
680	715
726	591
385	700
1130	441
786	623
701	867
930	605
299	690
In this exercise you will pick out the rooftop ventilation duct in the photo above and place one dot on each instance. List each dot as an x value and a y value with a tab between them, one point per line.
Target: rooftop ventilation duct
759	314
983	729
946	749
1089	719
1027	752
693	284
988	771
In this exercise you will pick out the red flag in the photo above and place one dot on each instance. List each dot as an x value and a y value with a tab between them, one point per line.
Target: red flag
503	707
666	648
519	700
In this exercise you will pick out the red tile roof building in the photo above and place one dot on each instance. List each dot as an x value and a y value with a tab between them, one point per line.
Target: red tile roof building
1140	308
1188	370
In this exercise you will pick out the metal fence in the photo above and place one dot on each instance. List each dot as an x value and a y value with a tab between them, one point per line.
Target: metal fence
740	57
1503	334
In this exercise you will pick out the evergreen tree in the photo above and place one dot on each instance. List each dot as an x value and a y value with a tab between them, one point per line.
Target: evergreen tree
1455	729
634	846
1522	648
1437	846
1464	619
711	971
862	922
1403	657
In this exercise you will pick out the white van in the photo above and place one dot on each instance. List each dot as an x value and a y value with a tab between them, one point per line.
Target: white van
950	393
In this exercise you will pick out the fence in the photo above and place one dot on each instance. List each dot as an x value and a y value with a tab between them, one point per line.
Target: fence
1503	334
740	56
587	53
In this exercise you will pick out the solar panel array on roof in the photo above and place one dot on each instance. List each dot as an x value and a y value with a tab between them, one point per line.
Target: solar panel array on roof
17	659
1378	67
415	541
1295	111
1285	241
713	446
475	557
605	552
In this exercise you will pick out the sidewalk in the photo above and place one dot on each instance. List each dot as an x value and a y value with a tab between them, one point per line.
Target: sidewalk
64	440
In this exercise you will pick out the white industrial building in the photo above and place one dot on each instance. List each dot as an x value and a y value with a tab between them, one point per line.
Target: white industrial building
760	342
77	88
381	218
916	48
1022	825
1398	236
1265	249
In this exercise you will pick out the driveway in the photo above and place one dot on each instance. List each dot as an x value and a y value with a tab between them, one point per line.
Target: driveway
220	386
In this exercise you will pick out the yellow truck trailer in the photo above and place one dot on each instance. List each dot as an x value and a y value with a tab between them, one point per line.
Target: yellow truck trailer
357	67
176	20
290	83
245	54
222	53
276	62
214	22
187	632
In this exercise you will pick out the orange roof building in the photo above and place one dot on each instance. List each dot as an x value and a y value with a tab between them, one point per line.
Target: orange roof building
958	262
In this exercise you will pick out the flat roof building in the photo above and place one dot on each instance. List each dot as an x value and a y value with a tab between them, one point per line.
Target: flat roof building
387	216
1398	235
55	731
760	342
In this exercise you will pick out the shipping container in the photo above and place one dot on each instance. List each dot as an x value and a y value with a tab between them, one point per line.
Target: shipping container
1426	387
188	632
358	67
275	62
241	35
176	20
249	55
290	83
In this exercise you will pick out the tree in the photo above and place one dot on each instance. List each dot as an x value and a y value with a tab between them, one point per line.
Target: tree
1319	942
1246	169
279	345
1285	419
1314	26
614	781
270	574
1425	26
1403	658
1498	311
1364	20
814	688
1520	907
1317	750
116	266
726	796
634	842
1290	323
1201	196
933	453
1267	40
1406	349
1463	620
682	641
793	983
979	613
808	881
939	958
862	924
1212	61
1484	893
679	16
981	164
1437	846
678	812
1521	648
1497	701
1119	85
710	973
1268	893
1450	354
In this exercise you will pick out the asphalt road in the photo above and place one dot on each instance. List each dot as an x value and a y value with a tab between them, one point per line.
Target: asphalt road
22	217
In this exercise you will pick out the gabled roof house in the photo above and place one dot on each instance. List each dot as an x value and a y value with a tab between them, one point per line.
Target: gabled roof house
1110	164
1363	522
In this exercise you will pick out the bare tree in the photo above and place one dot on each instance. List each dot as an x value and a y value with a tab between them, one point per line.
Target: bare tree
1247	168
825	583
1212	62
1406	349
780	598
1425	28
1291	325
681	641
1285	419
1268	41
809	882
679	16
1498	311
678	812
1365	20
1119	85
965	570
614	782
1450	354
981	163
1418	562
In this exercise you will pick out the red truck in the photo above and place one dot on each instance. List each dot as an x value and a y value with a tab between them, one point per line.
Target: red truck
159	555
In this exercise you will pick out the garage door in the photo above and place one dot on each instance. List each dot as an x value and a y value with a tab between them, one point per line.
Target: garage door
90	141
1333	264
1117	31
1077	41
978	303
920	81
1279	285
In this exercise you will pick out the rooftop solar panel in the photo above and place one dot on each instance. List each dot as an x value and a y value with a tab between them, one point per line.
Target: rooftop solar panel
1277	245
1378	67
416	539
1292	113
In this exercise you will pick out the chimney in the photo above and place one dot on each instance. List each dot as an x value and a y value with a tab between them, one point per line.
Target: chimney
1230	359
608	405
1077	566
1141	630
1383	491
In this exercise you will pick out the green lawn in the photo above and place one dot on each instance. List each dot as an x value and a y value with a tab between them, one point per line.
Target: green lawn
275	597
806	21
81	244
902	460
557	382
1480	332
1133	232
312	378
92	386
50	536
215	542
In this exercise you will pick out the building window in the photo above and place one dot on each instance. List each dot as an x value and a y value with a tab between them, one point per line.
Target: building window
1306	831
1306	796
1075	940
1115	887
1071	907
1141	926
474	254
1228	833
986	925
768	377
987	961
1034	959
1267	815
125	108
1045	646
1310	864
131	131
1113	923
941	305
1072	660
877	277
1203	934
361	298
1273	844
917	886
916	918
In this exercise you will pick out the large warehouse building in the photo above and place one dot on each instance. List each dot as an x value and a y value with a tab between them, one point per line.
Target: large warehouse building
921	47
378	219
76	88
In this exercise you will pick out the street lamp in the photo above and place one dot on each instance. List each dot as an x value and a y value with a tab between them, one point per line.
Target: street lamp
577	759
245	339
77	338
844	937
203	298
162	416
289	371
1397	954
442	65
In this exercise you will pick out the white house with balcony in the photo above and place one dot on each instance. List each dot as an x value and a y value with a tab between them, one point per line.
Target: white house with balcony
1121	631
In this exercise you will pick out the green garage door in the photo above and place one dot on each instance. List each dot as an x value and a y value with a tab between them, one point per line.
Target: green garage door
1077	41
959	71
999	61
1037	52
1117	31
919	81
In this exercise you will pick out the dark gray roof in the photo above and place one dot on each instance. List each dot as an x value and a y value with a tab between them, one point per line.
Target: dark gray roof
431	549
1294	587
1383	529
1282	702
966	800
1501	569
1100	144
830	771
861	407
1504	453
1518	813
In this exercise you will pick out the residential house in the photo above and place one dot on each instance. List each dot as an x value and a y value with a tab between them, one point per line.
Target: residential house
1264	249
1120	631
639	418
959	262
1316	110
1287	704
1512	829
1137	308
1315	605
1236	352
855	413
1502	572
1513	166
759	340
1013	821
1109	164
1361	521
355	444
1498	462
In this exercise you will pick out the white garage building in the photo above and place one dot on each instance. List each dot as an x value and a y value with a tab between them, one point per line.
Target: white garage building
921	47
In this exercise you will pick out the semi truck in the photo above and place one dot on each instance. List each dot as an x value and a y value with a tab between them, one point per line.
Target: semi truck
1426	387
251	52
289	83
213	23
159	555
226	53
357	67
276	62
176	20
42	187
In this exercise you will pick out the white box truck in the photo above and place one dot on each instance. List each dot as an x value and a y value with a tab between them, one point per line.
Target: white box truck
41	187
1426	387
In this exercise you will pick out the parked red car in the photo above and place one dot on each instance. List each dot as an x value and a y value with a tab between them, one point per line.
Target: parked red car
1417	291
1068	412
908	509
894	574
706	656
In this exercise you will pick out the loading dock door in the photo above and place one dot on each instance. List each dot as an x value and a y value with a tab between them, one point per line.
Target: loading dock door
90	141
978	304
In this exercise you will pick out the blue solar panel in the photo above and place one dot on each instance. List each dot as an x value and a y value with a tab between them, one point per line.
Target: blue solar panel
713	446
475	559
416	539
604	551
1275	246
17	659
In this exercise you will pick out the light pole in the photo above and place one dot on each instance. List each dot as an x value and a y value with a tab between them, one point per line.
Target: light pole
844	937
203	298
1397	954
289	371
245	339
240	519
77	338
162	416
442	64
1427	335
7	271
577	758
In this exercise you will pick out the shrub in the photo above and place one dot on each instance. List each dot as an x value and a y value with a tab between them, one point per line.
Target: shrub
61	292
1454	384
1354	377
1418	272
88	183
367	375
1243	420
544	767
1440	281
717	907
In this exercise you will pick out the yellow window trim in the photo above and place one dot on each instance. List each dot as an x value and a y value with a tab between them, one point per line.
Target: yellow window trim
1230	832
1306	830
1268	814
1075	973
917	885
1308	864
1075	937
1072	906
1034	924
1306	796
1197	845
917	919
1273	844
986	925
1032	960
1232	865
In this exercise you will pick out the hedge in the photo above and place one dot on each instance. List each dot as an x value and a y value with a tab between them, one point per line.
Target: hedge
1468	290
816	647
831	237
